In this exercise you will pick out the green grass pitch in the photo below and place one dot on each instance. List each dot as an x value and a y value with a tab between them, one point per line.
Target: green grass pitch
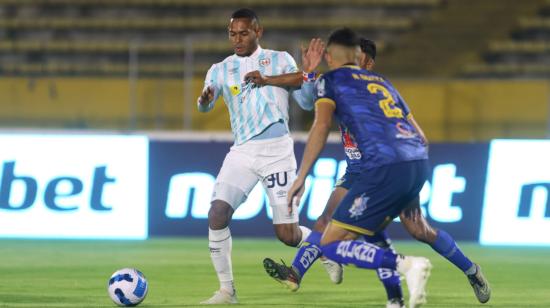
74	274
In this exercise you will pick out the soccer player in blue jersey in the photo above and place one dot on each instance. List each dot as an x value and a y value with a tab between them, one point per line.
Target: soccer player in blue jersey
263	150
306	256
392	153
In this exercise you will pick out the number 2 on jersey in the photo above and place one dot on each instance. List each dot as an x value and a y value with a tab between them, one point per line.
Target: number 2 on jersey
387	104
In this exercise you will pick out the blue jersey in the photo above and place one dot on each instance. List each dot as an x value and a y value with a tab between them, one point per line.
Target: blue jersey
374	118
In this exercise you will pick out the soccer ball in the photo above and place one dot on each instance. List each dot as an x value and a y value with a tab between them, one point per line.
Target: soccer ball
127	287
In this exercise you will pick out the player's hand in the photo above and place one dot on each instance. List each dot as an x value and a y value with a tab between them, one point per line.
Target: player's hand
295	194
312	55
206	96
256	78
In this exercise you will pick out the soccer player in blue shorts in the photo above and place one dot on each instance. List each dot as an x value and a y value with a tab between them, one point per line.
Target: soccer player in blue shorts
306	256
392	152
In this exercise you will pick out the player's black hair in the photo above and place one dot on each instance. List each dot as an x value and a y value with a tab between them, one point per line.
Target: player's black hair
368	47
246	13
344	37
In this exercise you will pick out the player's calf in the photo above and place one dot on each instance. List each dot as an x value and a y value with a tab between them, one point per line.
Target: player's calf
291	234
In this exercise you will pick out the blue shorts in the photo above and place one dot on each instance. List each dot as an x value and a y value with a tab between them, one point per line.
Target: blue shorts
347	180
378	196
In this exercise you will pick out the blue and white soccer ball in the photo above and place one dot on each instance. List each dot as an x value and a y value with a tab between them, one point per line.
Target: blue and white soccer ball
127	287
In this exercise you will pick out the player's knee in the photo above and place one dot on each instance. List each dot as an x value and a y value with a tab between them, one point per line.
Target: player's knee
219	215
289	235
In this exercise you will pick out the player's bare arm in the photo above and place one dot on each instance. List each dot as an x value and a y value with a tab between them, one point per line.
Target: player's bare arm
284	80
311	58
418	129
315	144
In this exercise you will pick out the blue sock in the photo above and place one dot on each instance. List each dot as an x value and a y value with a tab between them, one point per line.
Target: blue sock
391	281
360	254
308	253
389	278
446	246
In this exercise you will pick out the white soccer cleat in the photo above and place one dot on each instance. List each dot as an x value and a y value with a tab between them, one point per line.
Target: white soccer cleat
416	271
334	270
221	297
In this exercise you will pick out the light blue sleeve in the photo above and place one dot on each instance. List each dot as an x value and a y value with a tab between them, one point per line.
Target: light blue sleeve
288	63
211	80
305	95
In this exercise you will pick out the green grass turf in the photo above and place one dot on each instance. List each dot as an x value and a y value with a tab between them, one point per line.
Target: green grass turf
75	274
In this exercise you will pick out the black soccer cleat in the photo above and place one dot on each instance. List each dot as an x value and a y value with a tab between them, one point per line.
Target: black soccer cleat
480	285
284	274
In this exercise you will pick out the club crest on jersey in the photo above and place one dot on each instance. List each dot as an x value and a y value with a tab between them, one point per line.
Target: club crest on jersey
359	206
235	90
265	62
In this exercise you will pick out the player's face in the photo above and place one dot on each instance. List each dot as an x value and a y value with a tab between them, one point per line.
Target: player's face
244	35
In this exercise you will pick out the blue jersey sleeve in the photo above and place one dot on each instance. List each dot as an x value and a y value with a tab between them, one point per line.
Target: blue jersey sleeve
323	91
288	63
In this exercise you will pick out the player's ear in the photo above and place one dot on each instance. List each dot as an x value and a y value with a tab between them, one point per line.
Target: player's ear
328	58
259	31
363	60
370	64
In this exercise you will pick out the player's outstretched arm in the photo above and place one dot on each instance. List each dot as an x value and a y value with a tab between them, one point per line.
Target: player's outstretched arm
315	143
311	58
284	80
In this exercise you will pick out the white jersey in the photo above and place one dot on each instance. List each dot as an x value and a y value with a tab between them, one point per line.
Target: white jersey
251	109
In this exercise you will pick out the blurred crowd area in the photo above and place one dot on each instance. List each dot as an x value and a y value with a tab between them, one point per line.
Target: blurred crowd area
471	70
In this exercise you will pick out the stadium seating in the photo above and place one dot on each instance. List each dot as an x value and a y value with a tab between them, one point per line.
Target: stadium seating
95	37
67	63
524	53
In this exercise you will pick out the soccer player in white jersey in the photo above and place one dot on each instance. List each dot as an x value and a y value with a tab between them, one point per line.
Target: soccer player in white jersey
263	150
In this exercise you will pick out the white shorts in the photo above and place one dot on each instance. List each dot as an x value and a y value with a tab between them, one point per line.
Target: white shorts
270	161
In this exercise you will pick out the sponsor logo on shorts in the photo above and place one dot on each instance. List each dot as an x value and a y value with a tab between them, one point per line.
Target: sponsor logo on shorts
359	206
281	194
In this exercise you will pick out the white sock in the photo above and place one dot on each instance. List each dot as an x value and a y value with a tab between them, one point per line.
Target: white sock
220	242
305	233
